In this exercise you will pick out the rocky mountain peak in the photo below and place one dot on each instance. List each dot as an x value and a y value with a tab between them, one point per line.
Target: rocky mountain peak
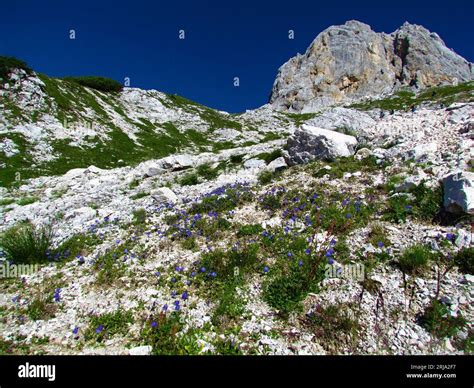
351	62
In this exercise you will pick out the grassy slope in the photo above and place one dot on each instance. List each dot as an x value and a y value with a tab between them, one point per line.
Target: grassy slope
404	100
69	101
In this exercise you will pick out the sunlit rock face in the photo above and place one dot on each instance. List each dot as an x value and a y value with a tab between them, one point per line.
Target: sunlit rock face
350	62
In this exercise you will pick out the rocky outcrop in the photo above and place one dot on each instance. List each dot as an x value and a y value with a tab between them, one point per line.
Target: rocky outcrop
350	121
351	62
459	192
309	143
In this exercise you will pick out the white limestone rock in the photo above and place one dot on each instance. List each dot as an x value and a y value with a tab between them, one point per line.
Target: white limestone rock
309	143
459	192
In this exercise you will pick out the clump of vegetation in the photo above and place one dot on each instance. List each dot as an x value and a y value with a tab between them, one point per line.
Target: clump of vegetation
41	307
7	64
78	244
189	179
266	177
230	306
110	266
163	334
27	201
297	272
439	322
286	291
224	199
269	157
6	201
334	326
227	348
415	258
422	204
465	260
207	172
236	159
139	195
102	84
378	236
347	165
25	243
271	200
300	118
107	325
249	230
189	243
224	264
139	216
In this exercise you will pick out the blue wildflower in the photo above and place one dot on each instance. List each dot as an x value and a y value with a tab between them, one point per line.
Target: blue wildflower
450	236
57	296
329	252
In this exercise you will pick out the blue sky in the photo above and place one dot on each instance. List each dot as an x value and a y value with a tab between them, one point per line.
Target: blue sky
246	39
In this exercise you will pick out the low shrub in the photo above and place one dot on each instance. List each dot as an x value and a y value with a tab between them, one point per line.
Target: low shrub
102	84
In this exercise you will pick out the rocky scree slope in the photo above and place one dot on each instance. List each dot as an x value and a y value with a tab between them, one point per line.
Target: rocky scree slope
351	62
168	257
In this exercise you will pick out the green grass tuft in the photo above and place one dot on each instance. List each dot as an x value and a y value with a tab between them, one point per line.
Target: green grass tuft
26	244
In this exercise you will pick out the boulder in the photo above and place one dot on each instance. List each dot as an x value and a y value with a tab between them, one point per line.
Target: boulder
93	170
468	127
363	153
164	194
343	119
74	173
177	162
421	152
309	143
277	165
81	215
152	170
254	163
459	192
